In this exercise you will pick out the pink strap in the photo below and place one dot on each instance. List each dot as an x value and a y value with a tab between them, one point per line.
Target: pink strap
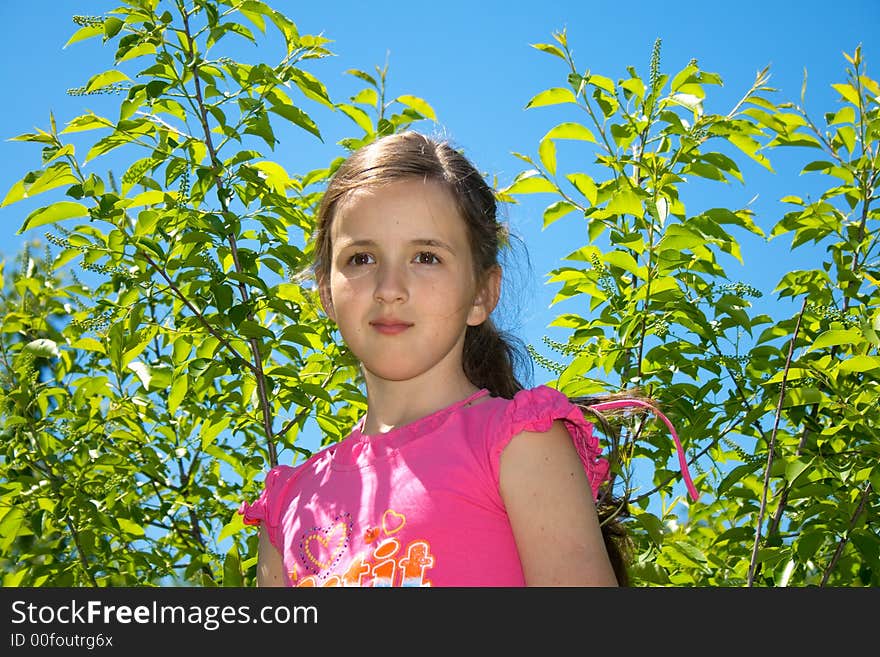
628	403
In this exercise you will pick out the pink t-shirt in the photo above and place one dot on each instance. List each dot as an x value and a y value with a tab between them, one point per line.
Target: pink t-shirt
417	506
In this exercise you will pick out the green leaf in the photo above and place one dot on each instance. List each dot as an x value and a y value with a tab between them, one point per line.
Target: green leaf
595	228
689	551
419	105
210	430
691	102
179	388
802	397
847	135
547	153
10	527
89	344
603	83
742	218
834	338
845	114
650	572
150	197
553	96
794	469
52	213
251	329
259	125
42	347
704	170
146	223
286	27
296	116
679	238
366	96
652	525
152	377
792	374
39	137
235	525
556	211
105	79
808	542
860	364
634	86
549	48
585	186
108	143
129	527
625	261
311	87
366	77
304	335
222	30
848	92
54	176
867	543
818	165
139	50
626	202
274	174
232	568
253	10
530	182
17	192
685	75
316	391
86	32
571	131
57	175
112	26
88	121
750	147
359	116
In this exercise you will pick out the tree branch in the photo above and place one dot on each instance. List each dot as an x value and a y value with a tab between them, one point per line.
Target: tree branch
772	447
223	197
843	541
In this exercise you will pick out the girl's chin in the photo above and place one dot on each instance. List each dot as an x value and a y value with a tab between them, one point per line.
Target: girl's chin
392	376
387	371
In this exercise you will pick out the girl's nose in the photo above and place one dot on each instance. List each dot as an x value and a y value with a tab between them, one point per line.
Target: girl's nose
391	284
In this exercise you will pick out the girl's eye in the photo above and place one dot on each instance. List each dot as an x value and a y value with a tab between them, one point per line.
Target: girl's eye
427	258
361	259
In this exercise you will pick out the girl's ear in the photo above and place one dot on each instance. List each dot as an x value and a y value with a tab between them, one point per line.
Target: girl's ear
487	297
327	300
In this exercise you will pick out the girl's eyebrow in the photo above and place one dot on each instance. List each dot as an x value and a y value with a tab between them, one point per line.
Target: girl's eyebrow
425	241
434	242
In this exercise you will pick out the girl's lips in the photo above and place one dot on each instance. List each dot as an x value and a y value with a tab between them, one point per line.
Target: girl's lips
390	328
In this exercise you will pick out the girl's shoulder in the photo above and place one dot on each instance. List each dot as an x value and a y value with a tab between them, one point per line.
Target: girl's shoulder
531	409
535	410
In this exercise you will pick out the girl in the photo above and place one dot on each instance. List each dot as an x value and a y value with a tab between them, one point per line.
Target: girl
456	475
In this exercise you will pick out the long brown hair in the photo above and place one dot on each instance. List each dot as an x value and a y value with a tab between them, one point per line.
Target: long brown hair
490	356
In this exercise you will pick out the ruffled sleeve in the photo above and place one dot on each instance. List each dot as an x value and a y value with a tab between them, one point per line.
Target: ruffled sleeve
270	504
537	408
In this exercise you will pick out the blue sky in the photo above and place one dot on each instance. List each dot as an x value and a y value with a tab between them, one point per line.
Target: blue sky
473	63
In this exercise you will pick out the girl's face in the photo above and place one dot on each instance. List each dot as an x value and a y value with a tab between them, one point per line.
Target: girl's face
402	287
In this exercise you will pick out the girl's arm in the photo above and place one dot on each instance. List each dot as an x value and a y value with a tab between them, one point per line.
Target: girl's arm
552	513
270	567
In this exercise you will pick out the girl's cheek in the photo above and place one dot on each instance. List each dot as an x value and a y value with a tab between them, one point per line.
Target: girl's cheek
351	273
351	290
348	276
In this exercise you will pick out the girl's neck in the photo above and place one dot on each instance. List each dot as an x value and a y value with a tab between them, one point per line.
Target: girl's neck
393	404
